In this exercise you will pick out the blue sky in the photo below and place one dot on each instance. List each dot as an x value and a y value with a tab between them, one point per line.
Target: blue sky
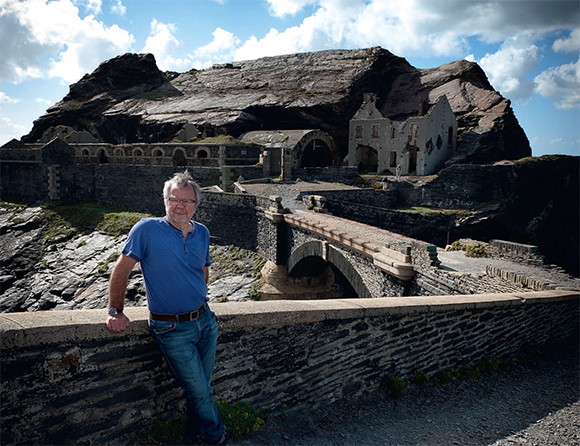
530	50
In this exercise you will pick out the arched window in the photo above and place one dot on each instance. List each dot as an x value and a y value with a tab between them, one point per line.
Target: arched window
103	157
137	152
86	152
450	137
158	153
202	153
179	158
119	152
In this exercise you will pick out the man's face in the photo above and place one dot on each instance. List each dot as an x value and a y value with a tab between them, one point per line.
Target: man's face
180	206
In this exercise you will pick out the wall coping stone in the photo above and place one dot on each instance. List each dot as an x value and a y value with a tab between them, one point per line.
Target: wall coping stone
20	330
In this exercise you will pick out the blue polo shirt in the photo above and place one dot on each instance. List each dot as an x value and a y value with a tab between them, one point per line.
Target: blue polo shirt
172	266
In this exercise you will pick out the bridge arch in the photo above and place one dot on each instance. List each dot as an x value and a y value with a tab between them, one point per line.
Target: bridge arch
312	258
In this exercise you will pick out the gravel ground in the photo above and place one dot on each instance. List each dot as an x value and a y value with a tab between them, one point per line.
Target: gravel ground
536	403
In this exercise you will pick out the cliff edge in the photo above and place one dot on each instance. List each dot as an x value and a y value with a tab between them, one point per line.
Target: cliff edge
128	99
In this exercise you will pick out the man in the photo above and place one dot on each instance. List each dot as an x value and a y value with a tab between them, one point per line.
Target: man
174	255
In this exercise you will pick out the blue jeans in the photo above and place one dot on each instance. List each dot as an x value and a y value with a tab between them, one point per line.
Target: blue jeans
189	348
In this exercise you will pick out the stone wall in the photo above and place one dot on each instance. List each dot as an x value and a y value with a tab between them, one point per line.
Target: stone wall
136	187
371	207
342	174
65	378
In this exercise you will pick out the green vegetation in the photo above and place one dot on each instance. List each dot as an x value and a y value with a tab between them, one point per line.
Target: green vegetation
103	267
169	431
219	139
239	419
232	260
242	418
420	378
13	206
470	250
431	212
70	220
394	385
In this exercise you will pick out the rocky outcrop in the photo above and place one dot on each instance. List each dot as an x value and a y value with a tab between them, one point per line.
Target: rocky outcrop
488	130
71	272
532	201
127	99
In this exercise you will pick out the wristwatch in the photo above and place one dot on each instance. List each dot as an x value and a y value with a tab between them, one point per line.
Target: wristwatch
114	311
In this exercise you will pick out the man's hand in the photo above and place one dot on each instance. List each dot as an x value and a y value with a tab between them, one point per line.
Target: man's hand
117	323
117	288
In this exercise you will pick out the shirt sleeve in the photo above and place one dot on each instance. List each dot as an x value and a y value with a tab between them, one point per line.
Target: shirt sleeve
137	244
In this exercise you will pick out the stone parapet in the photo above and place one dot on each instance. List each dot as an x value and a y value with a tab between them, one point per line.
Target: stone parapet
65	378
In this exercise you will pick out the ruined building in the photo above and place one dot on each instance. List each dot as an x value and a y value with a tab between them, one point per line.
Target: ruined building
420	144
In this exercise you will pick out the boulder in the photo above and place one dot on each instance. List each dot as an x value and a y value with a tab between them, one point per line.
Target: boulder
127	99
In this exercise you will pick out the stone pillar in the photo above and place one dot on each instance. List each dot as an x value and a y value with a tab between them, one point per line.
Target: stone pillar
286	161
266	159
226	177
275	213
222	156
53	182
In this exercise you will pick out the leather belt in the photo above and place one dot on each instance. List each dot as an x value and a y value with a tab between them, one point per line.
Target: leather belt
179	317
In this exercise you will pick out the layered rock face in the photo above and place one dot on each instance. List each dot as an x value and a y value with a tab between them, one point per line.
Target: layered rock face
127	99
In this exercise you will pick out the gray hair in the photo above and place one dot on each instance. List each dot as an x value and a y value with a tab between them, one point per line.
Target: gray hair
181	180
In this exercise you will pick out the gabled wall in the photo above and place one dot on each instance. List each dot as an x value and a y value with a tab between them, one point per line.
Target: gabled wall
420	144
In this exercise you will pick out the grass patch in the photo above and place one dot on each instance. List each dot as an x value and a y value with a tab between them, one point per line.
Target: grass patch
70	220
219	139
232	260
470	250
239	419
394	385
169	431
420	378
431	212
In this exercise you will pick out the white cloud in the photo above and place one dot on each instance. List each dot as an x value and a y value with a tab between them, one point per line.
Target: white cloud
274	43
93	6
223	41
9	130
507	68
31	30
420	28
568	45
162	43
5	99
281	8
44	101
118	9
561	84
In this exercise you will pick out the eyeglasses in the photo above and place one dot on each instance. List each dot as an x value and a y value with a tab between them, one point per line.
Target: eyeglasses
186	202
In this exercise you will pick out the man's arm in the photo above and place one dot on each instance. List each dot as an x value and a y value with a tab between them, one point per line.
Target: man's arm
117	289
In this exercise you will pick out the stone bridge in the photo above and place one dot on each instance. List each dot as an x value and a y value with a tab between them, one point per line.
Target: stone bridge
362	253
376	262
380	263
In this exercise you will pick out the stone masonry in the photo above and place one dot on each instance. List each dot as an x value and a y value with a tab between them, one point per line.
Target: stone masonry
65	378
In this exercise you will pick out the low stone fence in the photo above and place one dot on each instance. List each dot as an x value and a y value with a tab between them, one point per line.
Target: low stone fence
370	207
66	379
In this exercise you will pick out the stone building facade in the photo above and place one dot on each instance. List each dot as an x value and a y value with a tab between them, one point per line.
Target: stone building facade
420	144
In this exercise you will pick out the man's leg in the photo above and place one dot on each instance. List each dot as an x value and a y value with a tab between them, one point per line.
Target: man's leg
180	343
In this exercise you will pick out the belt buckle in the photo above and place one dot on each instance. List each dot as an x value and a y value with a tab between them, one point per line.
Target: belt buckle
191	317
